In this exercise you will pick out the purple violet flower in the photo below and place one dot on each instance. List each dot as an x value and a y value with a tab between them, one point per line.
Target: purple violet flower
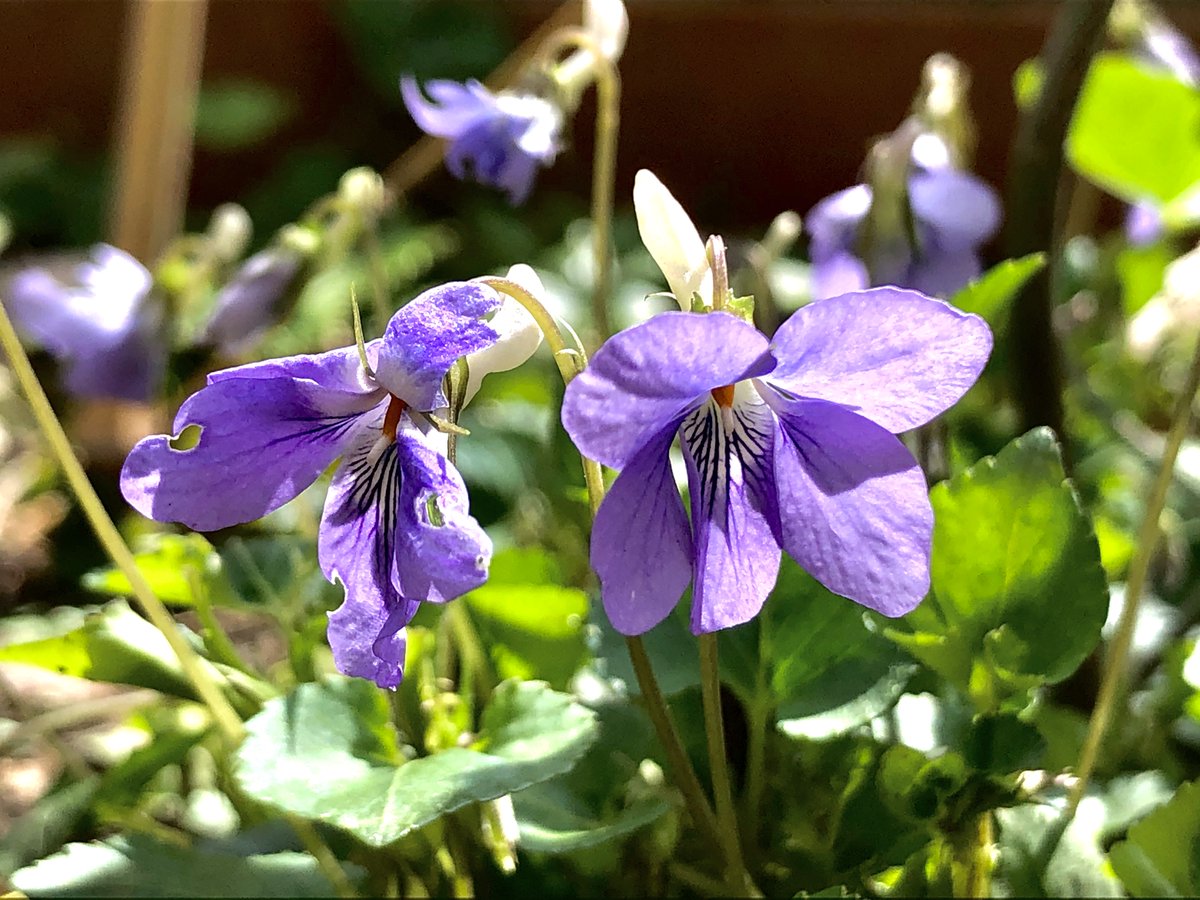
396	530
249	303
96	321
495	139
1143	223
952	213
789	443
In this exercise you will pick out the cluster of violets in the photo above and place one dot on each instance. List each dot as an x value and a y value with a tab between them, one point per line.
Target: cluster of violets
790	445
790	441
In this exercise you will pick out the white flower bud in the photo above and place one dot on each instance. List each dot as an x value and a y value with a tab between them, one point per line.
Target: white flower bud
672	240
229	231
519	333
363	189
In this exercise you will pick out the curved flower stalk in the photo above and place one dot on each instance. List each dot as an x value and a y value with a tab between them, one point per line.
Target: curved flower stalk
98	320
502	139
789	443
396	530
919	220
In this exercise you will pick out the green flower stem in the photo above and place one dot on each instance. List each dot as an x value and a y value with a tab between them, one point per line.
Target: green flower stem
215	638
970	858
223	713
759	726
714	732
1139	566
319	850
604	163
570	363
668	736
470	648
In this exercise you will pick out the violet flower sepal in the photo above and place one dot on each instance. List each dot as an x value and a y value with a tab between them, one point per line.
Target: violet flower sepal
396	530
789	446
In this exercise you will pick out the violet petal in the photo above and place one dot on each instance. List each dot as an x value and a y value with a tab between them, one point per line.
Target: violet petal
652	374
262	441
854	508
423	340
734	515
641	541
897	357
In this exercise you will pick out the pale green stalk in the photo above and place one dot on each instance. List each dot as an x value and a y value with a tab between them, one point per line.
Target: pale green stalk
604	163
1139	566
714	733
223	713
570	363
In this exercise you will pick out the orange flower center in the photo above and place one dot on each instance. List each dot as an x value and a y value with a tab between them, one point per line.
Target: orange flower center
391	419
723	396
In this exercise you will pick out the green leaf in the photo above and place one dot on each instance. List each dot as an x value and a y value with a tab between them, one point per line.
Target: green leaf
1077	867
272	572
137	866
114	644
1136	131
122	785
1140	271
670	646
326	751
553	820
532	627
45	828
917	788
1018	595
1002	744
826	669
235	113
989	294
1161	858
164	561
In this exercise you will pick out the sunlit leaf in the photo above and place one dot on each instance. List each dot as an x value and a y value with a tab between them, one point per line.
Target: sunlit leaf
114	644
1159	859
1136	131
138	866
164	560
326	751
1019	595
552	819
990	294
